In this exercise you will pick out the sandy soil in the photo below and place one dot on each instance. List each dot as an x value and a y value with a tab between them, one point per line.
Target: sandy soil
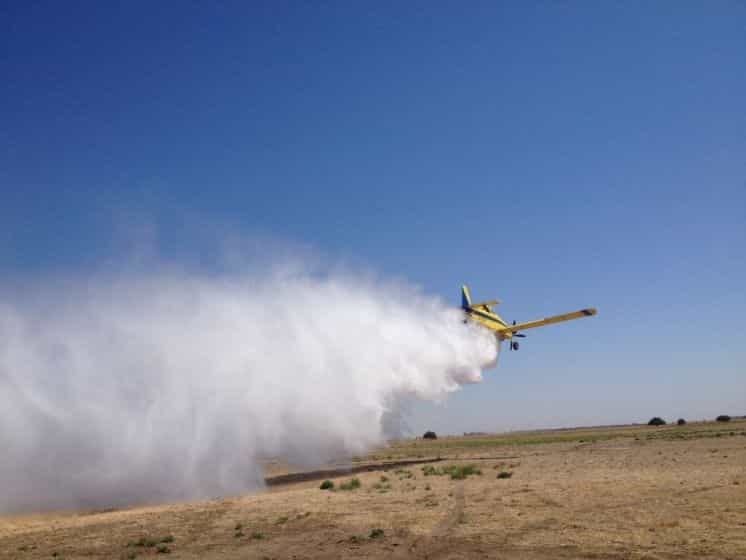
634	492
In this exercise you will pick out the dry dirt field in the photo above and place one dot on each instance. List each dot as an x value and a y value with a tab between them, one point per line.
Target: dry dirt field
627	492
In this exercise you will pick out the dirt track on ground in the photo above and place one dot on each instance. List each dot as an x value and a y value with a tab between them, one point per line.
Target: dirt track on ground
630	493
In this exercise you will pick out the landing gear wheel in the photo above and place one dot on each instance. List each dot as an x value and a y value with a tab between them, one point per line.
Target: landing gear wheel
514	345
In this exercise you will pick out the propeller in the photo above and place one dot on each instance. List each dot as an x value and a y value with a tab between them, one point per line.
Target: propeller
514	343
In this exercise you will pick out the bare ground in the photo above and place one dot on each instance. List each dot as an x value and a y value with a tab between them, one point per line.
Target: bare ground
632	492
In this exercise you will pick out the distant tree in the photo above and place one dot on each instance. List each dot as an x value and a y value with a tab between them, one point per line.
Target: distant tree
681	421
723	418
657	421
430	435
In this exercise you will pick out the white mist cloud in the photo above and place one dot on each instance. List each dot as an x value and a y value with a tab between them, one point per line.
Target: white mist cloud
172	385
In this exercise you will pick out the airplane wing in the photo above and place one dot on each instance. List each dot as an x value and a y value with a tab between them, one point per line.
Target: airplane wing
549	320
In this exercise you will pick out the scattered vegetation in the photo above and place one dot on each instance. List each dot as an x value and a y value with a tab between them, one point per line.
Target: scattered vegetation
428	501
163	549
456	472
504	474
657	421
382	487
681	422
430	435
376	533
723	418
403	473
282	519
148	542
327	485
352	484
460	472
257	536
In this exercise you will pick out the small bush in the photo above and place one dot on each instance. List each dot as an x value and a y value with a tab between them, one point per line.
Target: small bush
163	549
376	533
430	435
145	542
504	474
382	486
657	421
167	539
404	473
384	478
281	520
257	535
238	526
456	472
352	484
327	485
680	422
460	472
723	418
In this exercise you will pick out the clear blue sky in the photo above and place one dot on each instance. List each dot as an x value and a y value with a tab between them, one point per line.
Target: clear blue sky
553	155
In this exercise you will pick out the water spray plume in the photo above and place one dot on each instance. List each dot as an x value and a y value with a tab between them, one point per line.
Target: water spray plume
167	386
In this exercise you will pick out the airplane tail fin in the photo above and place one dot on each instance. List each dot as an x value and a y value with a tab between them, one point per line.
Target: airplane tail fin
465	297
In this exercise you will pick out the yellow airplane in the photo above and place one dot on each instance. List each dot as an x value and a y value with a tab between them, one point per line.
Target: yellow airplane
482	313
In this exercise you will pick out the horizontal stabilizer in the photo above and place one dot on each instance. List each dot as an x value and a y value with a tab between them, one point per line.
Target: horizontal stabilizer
549	320
486	303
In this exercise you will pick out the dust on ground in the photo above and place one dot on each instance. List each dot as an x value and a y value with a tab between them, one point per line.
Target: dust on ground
627	492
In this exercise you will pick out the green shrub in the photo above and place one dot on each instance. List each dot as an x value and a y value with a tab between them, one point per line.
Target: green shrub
163	549
723	418
257	535
352	484
376	533
504	474
456	472
327	485
460	472
657	421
